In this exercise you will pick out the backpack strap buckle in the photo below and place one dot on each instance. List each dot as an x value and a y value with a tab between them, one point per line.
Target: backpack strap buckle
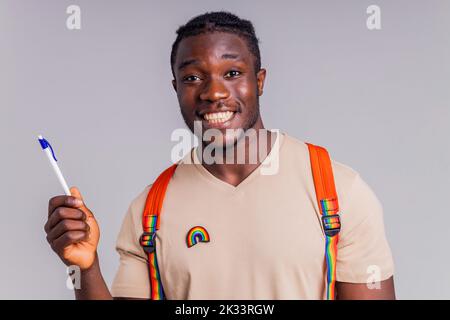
331	224
147	241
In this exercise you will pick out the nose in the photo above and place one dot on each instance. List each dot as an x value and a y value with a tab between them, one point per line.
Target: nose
214	90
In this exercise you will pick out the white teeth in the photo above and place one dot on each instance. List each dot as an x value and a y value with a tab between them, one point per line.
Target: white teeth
218	117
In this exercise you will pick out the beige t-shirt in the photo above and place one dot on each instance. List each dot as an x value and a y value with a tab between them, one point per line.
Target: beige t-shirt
266	239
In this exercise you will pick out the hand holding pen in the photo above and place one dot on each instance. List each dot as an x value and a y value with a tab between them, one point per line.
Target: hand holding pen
71	228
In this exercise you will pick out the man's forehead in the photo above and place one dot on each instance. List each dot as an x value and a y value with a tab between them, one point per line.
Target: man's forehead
216	45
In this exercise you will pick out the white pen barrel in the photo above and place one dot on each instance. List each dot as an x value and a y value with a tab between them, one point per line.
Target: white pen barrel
58	173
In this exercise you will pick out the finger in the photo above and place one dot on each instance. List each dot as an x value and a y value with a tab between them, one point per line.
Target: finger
63	201
62	213
64	226
67	239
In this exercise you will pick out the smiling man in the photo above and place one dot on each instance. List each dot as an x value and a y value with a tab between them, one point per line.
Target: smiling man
260	237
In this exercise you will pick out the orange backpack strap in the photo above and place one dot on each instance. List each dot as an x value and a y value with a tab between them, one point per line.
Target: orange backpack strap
327	201
150	224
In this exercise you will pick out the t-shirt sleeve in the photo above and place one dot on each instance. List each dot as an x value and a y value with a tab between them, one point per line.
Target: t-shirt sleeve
364	254
132	279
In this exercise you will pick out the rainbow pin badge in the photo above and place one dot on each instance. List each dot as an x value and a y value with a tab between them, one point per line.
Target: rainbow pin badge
197	234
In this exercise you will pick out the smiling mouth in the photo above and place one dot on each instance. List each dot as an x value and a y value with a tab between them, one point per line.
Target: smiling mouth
218	117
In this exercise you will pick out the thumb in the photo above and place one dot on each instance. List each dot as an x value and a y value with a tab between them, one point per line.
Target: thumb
77	194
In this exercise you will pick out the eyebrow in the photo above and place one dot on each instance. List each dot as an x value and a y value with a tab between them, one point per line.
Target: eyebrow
227	56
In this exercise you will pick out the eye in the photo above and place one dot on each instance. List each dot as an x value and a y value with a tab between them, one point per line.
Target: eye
191	78
232	74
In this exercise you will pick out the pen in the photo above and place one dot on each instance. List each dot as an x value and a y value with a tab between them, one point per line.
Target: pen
51	157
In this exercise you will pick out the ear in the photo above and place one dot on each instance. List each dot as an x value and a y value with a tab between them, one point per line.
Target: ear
260	78
174	84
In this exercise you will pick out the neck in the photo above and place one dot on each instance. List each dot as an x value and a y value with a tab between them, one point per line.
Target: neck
234	171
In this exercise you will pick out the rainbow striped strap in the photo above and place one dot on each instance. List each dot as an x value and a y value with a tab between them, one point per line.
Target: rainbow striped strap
150	225
331	226
329	207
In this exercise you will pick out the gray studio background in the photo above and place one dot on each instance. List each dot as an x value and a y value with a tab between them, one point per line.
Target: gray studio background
378	100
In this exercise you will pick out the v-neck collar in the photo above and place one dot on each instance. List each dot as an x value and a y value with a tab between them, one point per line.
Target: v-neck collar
252	176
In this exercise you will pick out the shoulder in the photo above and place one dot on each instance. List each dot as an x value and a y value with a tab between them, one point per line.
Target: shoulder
139	200
298	149
348	180
294	145
344	176
137	205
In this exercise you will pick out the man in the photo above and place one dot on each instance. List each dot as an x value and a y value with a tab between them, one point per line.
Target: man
265	239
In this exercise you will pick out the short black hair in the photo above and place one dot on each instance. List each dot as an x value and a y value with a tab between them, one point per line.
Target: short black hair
218	21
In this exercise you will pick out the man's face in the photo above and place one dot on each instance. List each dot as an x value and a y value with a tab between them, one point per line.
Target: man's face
216	84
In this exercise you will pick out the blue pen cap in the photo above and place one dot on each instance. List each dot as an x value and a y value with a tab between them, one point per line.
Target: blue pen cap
45	144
